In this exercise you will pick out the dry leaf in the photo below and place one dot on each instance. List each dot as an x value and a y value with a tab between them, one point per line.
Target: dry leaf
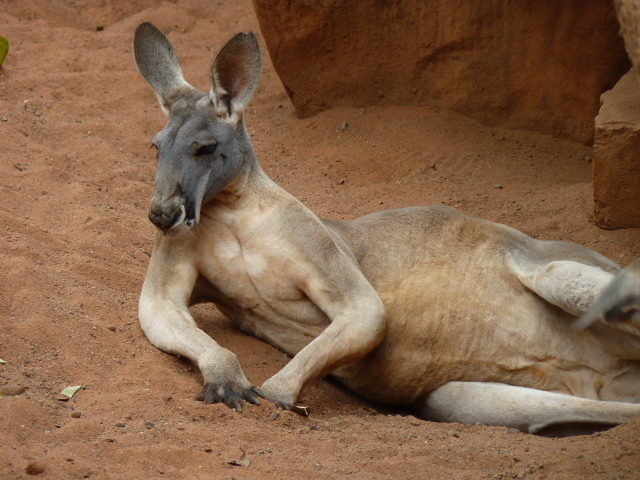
243	461
301	410
69	392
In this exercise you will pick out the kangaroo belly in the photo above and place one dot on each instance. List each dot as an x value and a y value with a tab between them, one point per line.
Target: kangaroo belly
522	342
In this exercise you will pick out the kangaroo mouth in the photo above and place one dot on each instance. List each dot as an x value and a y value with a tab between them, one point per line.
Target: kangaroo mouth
168	222
175	214
178	218
185	220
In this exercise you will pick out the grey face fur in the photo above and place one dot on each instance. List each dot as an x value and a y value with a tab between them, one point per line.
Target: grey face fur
205	144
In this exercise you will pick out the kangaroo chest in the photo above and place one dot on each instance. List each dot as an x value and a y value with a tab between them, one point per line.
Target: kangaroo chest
258	284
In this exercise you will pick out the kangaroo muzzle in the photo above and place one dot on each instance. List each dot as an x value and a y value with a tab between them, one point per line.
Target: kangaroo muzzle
167	214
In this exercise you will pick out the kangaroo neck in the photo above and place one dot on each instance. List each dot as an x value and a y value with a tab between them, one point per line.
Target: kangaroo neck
251	187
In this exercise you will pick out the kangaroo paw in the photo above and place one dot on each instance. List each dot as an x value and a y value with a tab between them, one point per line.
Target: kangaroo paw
619	303
233	396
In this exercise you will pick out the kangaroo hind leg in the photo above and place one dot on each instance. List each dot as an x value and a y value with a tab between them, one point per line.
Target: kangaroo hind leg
526	409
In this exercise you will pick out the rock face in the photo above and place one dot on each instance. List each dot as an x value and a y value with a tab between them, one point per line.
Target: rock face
616	156
628	13
539	65
616	152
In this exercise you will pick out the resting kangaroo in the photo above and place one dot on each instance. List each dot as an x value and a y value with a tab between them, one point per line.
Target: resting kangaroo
464	319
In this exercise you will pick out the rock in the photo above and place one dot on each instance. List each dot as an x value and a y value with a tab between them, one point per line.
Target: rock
274	416
616	164
416	422
628	13
519	64
35	468
11	390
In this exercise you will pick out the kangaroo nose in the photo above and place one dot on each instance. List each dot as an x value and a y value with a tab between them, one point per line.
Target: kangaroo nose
166	219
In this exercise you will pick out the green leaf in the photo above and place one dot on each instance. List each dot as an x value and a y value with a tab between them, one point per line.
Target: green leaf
70	391
4	49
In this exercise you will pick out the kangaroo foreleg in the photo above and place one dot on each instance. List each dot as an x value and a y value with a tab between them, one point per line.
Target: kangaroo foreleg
167	323
357	326
173	330
620	302
570	285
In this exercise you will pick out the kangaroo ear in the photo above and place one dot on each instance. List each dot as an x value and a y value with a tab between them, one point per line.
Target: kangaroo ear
158	64
235	74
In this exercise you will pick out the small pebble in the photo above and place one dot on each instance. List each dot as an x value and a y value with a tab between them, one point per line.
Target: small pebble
121	425
274	416
10	390
112	328
416	422
149	425
499	185
76	414
35	468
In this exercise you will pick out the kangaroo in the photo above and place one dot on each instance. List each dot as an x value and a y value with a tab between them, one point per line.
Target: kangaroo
462	319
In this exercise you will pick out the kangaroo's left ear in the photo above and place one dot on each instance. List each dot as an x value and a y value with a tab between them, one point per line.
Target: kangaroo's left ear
235	74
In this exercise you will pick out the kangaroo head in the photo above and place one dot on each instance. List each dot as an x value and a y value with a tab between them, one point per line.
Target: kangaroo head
204	144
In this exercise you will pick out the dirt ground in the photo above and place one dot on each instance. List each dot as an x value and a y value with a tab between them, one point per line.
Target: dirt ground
76	178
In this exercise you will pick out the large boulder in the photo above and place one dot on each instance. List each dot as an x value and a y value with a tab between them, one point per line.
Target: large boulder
538	65
616	156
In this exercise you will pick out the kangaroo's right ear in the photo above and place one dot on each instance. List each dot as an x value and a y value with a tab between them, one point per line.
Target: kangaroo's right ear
158	64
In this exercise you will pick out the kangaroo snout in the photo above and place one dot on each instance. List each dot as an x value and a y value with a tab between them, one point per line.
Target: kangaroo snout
166	220
168	214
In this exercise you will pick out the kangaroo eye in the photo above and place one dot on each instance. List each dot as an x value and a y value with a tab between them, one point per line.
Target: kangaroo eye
206	150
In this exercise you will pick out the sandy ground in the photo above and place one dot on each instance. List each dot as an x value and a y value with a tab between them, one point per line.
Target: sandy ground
76	177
